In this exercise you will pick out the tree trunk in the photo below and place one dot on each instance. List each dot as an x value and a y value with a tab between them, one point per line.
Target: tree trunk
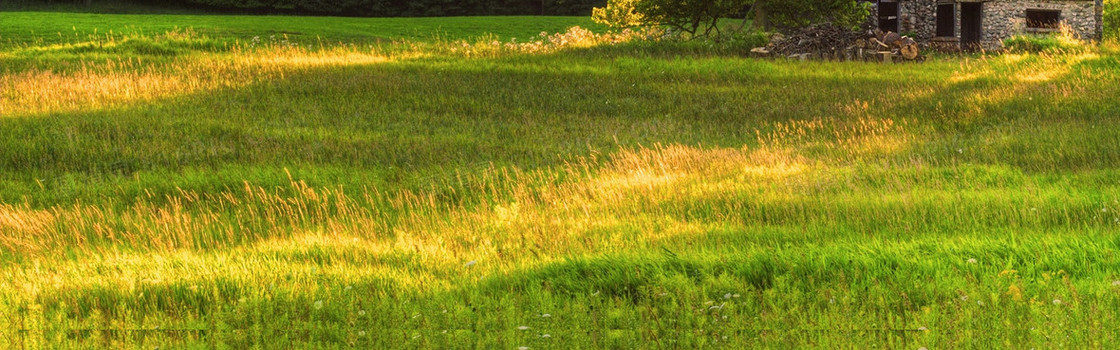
761	22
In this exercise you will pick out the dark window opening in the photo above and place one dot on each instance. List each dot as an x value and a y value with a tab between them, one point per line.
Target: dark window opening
888	16
1043	19
946	20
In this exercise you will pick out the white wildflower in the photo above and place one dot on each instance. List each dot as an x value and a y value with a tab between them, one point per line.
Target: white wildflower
524	328
971	260
318	304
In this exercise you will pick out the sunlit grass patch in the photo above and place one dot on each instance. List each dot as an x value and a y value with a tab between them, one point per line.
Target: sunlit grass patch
121	80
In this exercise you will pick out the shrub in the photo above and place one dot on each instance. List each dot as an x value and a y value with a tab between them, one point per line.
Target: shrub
1065	40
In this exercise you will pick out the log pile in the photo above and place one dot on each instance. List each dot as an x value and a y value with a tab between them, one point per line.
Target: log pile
827	41
890	41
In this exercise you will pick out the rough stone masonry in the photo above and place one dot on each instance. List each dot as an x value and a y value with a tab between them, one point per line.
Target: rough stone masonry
997	19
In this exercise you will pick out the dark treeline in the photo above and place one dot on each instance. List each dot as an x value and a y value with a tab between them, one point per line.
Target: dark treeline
382	8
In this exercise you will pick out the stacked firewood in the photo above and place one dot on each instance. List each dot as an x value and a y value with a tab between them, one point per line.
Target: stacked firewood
814	38
827	40
890	41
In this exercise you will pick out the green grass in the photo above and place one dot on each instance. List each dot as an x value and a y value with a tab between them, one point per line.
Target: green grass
159	190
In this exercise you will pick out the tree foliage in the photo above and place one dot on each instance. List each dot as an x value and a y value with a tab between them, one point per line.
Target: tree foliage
619	14
784	14
696	17
701	17
691	16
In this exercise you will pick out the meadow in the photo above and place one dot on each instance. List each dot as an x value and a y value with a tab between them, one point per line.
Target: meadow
204	181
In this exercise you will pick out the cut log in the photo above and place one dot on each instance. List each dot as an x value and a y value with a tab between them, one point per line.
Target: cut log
876	44
908	48
885	56
891	39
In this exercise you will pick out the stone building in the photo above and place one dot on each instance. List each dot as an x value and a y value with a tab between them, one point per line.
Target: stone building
971	24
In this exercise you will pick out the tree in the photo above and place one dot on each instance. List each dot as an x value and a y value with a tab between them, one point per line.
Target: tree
619	14
701	17
785	14
696	17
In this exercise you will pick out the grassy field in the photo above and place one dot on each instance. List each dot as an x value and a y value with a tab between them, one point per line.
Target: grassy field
393	183
34	29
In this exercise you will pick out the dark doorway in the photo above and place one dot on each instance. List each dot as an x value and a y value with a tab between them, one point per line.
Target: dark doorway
972	24
888	16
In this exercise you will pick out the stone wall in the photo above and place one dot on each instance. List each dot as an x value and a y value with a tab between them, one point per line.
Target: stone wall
918	19
1002	18
1005	18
